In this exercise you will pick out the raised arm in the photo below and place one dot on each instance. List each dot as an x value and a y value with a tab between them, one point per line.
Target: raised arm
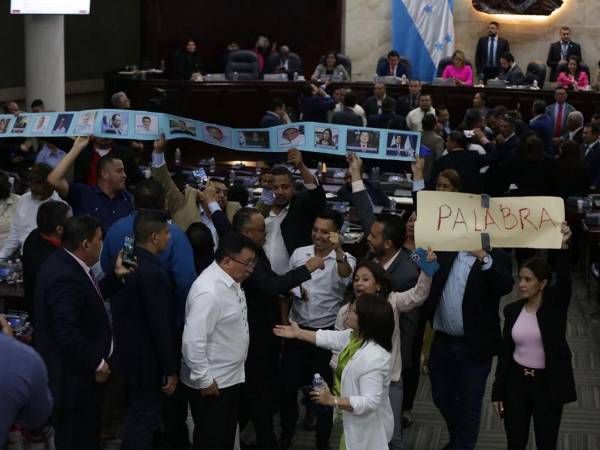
360	196
56	178
175	199
293	331
413	298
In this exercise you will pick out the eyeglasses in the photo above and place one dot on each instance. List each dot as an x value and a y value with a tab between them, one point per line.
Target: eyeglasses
249	265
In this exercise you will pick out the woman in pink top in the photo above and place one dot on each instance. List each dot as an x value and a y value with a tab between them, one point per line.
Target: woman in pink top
573	77
534	377
371	278
461	73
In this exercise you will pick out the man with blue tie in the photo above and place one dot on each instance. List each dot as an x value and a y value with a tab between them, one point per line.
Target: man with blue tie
487	54
560	52
559	111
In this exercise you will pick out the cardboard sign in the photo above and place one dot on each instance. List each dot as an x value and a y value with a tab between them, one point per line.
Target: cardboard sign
450	221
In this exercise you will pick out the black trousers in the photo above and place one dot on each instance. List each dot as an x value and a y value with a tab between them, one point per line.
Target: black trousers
257	400
412	374
529	396
299	362
142	420
215	418
78	428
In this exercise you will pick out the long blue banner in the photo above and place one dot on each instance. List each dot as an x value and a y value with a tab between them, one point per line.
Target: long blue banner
143	125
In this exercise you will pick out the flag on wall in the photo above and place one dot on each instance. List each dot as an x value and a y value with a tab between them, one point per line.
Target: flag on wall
423	31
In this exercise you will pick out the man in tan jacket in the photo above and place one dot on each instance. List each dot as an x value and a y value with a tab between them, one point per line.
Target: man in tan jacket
186	207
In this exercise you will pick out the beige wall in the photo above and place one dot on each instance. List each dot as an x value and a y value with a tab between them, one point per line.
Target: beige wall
367	33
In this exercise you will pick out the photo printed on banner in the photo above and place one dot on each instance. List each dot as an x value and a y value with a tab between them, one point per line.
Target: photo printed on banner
146	123
327	137
362	141
85	123
115	122
253	139
401	145
62	124
182	126
215	134
291	136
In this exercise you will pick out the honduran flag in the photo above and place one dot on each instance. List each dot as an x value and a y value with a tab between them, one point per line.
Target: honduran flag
423	31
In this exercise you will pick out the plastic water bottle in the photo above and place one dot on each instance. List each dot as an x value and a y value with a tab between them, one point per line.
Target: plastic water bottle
236	76
404	79
231	177
212	165
295	76
257	171
318	383
535	85
177	156
375	77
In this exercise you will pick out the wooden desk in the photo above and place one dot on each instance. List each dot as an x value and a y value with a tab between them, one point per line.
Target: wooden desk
242	104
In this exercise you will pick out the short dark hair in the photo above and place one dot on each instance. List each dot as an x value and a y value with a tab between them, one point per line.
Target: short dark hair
149	194
560	88
539	107
428	122
482	95
329	213
5	186
508	56
350	100
393	53
388	105
203	245
593	126
440	108
115	115
306	89
50	215
510	121
564	27
493	22
397	122
104	162
147	222
233	244
375	320
238	193
282	170
472	117
37	102
242	218
78	229
458	138
394	229
39	173
276	103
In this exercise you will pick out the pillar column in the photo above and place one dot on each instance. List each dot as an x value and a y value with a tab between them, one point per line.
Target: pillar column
45	60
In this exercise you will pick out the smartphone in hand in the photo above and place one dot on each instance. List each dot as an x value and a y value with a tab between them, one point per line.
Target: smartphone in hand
419	256
128	250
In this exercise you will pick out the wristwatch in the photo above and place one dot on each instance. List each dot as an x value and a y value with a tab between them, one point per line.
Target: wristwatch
486	259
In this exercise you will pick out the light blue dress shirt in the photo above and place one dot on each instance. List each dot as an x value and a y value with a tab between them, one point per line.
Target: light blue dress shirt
448	317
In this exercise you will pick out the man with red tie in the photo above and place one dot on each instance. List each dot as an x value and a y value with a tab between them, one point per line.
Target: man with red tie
393	67
559	111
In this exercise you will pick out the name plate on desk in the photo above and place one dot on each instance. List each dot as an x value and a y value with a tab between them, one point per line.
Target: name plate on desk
450	221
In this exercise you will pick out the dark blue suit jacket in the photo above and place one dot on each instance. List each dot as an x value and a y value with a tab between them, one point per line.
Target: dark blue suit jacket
72	333
544	128
384	70
593	161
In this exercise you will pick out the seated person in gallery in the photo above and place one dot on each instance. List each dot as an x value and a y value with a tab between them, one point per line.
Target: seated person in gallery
458	70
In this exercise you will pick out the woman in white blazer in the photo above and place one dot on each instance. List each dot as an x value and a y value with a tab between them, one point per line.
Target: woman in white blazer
364	399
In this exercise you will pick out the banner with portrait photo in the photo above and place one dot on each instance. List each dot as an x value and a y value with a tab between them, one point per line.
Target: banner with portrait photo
332	139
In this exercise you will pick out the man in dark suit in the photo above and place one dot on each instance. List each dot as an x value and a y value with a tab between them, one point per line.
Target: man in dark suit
385	238
410	101
290	216
559	111
560	51
42	242
541	124
463	308
574	131
347	116
282	63
372	104
591	152
85	167
73	332
144	325
510	71
466	162
488	51
507	142
388	107
262	289
393	67
275	115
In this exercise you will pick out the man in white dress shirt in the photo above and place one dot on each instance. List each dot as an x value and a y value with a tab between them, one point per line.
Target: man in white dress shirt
215	343
415	117
24	220
315	307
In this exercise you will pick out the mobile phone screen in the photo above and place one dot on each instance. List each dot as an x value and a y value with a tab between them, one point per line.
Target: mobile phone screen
200	177
128	249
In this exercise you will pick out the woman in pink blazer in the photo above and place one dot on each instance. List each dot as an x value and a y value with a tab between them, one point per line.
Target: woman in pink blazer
461	73
573	77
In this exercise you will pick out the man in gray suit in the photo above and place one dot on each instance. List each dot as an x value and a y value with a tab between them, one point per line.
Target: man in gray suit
510	71
385	238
